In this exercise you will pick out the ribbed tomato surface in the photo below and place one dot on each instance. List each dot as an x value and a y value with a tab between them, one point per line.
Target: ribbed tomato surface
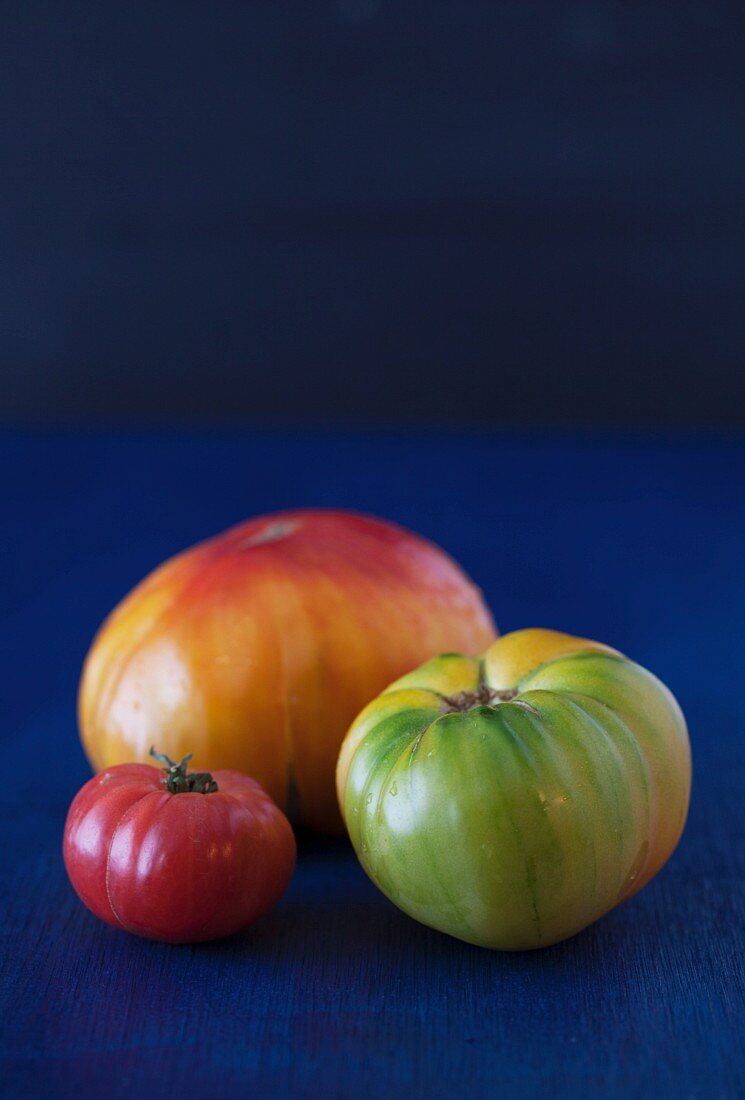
255	649
178	867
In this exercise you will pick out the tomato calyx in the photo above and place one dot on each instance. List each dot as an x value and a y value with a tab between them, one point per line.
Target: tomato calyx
179	781
483	696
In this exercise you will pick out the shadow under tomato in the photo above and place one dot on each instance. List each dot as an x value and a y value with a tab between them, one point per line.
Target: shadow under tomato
333	915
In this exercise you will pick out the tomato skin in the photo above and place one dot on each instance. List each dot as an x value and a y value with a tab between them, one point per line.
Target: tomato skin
255	649
512	800
177	867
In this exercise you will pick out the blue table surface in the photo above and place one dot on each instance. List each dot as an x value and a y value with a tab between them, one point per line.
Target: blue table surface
336	993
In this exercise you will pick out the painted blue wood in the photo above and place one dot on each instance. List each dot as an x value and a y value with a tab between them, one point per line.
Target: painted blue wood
337	994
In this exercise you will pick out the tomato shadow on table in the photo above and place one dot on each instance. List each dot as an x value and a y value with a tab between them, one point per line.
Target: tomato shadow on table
334	914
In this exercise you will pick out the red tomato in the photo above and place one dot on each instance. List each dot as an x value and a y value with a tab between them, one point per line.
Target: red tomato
176	856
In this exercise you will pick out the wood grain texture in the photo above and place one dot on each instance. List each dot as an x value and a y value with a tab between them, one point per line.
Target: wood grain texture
336	994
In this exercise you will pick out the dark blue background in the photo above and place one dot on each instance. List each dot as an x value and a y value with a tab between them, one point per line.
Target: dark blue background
336	994
373	210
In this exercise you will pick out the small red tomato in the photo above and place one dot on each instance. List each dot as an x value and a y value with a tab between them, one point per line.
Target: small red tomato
176	856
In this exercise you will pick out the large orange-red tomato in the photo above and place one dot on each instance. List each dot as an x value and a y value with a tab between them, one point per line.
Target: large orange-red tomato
256	649
182	858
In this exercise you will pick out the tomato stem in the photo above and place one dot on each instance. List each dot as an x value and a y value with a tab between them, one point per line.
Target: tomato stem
483	696
177	780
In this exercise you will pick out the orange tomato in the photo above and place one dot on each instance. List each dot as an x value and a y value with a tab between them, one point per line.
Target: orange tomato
255	649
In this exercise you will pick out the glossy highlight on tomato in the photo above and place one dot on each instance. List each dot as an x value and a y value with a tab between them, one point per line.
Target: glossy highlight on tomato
511	800
176	856
255	649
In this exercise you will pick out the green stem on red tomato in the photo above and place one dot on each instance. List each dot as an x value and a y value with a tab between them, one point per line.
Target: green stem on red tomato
176	779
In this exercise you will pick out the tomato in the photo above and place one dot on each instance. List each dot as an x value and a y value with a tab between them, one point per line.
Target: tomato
256	649
177	856
510	801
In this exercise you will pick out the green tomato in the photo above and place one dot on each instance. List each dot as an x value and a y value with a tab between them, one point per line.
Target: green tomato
511	800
